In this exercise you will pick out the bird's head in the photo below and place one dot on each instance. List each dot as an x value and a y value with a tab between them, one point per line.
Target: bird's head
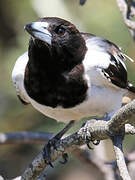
61	37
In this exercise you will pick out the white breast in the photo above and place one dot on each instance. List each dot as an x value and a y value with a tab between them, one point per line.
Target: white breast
18	76
100	102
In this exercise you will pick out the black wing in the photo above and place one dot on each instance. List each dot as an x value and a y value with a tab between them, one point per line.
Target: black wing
116	72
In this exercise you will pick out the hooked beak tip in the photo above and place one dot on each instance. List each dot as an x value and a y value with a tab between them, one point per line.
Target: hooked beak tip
39	30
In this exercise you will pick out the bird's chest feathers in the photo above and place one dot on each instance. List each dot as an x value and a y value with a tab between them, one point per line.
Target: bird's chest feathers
50	88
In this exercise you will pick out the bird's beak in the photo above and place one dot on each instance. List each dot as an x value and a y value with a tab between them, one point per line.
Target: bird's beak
39	30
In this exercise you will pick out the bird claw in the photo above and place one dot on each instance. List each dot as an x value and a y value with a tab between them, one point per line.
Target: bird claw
52	143
65	158
47	151
88	138
96	142
87	141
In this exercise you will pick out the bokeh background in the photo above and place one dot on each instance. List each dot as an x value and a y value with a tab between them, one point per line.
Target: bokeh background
98	17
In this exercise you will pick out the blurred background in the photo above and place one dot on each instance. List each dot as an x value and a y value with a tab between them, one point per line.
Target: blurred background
98	17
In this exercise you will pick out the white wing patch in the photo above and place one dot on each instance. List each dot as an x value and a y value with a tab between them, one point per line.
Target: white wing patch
95	60
18	76
95	56
99	63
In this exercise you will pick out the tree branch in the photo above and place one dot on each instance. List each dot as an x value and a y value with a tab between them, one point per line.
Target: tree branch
117	144
98	130
38	137
125	115
24	138
127	7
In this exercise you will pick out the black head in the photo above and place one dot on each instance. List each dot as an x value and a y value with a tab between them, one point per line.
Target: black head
61	38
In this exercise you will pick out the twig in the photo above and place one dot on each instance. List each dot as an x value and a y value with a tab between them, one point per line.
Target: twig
127	7
38	137
117	144
124	116
24	138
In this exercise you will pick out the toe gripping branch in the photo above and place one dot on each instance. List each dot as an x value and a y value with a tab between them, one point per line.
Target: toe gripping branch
87	136
52	143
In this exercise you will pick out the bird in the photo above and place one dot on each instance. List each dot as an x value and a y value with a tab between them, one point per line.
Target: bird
68	75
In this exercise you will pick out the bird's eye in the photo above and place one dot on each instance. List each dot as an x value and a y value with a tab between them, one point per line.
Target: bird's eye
60	31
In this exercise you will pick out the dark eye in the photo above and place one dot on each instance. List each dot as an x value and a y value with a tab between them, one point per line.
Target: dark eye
60	31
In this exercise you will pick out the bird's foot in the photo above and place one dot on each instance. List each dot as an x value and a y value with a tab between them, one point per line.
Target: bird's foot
52	144
87	135
65	158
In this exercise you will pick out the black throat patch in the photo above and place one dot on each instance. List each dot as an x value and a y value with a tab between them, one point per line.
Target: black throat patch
52	83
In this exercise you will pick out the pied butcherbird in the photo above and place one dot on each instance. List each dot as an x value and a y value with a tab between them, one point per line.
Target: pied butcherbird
68	75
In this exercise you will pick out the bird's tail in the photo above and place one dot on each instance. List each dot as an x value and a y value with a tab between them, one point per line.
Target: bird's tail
130	95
